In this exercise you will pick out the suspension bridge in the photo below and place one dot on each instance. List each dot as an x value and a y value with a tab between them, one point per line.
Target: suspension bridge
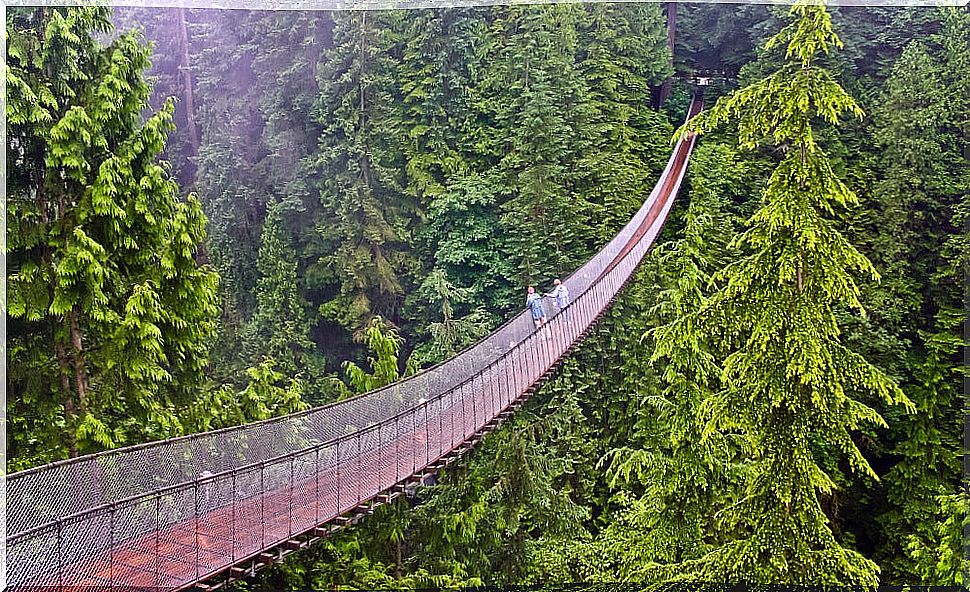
203	510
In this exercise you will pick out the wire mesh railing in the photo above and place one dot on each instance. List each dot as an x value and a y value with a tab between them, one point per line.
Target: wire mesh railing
171	513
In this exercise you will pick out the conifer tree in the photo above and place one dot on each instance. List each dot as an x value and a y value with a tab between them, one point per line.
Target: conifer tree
434	74
533	62
110	313
170	71
227	173
280	328
919	125
264	395
464	238
789	386
384	343
684	470
367	218
449	333
621	53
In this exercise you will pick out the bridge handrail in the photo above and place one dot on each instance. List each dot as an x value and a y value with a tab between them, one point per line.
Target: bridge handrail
12	477
286	456
600	259
275	460
532	359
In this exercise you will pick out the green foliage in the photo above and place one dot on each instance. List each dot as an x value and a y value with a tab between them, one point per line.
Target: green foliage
918	242
267	394
942	558
105	295
450	334
359	167
622	53
383	341
280	327
685	471
368	216
482	520
788	383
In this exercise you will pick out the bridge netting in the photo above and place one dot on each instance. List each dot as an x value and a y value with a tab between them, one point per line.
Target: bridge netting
171	513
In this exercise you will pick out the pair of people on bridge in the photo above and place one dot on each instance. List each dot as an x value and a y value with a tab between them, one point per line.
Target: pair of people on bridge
534	302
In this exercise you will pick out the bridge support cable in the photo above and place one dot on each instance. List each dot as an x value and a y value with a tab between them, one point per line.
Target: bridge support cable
176	513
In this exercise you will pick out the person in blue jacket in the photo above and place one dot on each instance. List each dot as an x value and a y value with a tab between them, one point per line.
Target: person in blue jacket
534	302
561	294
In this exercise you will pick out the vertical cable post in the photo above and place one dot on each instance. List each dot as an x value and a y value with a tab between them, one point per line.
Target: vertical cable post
289	499
337	475
111	546
60	557
441	424
198	541
358	479
316	486
158	542
464	423
453	416
232	512
475	423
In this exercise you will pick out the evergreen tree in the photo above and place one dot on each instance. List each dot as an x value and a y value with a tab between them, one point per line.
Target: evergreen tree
169	30
265	395
384	342
458	238
942	557
919	239
434	72
227	178
466	241
364	235
789	385
532	68
685	472
449	334
110	315
280	328
622	52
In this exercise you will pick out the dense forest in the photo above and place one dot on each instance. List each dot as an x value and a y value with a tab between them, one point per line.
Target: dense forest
221	216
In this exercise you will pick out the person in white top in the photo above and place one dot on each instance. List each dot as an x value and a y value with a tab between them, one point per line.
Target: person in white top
561	294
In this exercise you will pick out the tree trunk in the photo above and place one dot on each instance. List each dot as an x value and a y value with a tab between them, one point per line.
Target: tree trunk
363	41
80	374
671	25
184	69
671	36
68	394
361	118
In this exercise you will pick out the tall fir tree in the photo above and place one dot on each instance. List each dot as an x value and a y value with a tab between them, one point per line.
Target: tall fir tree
435	74
789	386
685	471
110	315
227	179
368	219
280	327
923	139
621	53
532	63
